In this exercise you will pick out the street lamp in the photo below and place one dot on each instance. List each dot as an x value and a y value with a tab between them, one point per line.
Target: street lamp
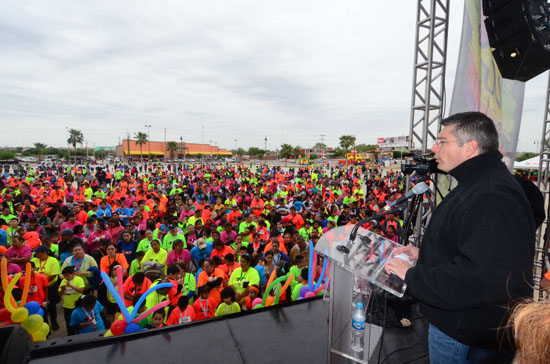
210	145
149	138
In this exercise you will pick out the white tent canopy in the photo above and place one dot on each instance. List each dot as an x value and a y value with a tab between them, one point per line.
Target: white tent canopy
532	163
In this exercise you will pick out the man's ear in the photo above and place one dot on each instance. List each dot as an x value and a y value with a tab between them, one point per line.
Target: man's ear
472	148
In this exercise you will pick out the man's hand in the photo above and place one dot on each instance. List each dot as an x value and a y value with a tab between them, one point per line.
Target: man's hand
397	266
410	250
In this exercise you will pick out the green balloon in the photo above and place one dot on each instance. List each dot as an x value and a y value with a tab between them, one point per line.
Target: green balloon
33	323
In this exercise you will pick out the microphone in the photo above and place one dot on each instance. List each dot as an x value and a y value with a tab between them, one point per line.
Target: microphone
420	188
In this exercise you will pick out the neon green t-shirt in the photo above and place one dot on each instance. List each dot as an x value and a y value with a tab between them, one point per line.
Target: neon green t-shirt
70	296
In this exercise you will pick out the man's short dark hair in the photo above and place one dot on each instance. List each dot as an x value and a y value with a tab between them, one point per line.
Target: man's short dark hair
476	126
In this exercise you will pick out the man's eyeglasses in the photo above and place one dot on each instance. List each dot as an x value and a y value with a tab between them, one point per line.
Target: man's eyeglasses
439	142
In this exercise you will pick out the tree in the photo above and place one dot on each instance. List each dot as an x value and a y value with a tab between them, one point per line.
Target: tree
75	137
362	148
256	152
320	146
524	156
296	151
313	156
199	156
39	148
347	141
286	151
141	139
172	147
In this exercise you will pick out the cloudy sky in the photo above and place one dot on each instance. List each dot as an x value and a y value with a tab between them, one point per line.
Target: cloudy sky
239	70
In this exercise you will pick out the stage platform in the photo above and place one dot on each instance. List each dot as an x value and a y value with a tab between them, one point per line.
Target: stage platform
289	333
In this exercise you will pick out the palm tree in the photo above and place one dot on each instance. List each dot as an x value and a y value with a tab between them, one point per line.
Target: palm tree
75	137
347	141
141	138
39	147
172	147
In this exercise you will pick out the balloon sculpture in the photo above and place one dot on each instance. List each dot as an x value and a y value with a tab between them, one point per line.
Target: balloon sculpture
130	322
29	315
305	292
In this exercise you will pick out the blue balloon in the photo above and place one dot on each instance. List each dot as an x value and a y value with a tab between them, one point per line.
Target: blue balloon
41	312
325	261
310	267
132	328
144	296
116	296
32	307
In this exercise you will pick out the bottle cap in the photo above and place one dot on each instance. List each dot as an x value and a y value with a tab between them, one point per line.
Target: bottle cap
359	305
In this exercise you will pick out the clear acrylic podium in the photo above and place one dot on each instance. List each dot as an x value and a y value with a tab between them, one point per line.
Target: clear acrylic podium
352	275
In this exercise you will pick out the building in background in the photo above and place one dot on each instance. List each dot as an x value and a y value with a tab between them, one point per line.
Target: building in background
154	149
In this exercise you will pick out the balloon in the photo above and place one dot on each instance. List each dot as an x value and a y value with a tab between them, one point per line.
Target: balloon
7	323
156	307
120	283
270	287
288	282
272	277
38	336
28	271
144	296
32	307
117	298
5	284
277	294
256	301
19	315
325	263
118	327
40	312
259	305
108	334
9	302
309	294
45	329
320	289
269	301
32	323
5	315
310	267
303	291
132	328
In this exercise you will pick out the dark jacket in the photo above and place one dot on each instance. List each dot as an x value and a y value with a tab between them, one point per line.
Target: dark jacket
476	257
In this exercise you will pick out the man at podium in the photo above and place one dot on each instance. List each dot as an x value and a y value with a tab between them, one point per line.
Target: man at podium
476	256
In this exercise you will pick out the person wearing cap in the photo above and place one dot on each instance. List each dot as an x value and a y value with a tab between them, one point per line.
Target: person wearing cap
173	234
234	214
202	250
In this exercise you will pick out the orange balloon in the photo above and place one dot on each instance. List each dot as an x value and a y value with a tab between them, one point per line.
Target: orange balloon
28	272
4	276
272	277
287	283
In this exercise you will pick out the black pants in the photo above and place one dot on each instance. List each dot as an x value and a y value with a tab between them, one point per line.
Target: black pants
50	314
67	313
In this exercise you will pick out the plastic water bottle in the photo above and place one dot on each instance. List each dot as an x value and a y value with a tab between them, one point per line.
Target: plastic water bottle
358	330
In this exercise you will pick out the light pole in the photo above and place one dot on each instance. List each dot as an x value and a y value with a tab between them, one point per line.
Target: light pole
202	141
265	147
210	145
149	138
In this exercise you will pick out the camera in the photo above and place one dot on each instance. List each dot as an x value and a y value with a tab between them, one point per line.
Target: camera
419	164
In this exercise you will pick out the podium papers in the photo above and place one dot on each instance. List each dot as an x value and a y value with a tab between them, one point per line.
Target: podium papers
366	258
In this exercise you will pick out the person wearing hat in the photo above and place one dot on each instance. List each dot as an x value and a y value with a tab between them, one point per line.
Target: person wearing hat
202	250
173	234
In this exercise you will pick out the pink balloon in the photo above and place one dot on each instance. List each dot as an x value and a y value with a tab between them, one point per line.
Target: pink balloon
309	294
256	301
150	311
321	287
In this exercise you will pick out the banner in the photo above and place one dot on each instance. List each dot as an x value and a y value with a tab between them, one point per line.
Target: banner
480	87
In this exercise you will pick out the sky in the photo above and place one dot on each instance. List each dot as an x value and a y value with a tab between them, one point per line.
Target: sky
228	73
